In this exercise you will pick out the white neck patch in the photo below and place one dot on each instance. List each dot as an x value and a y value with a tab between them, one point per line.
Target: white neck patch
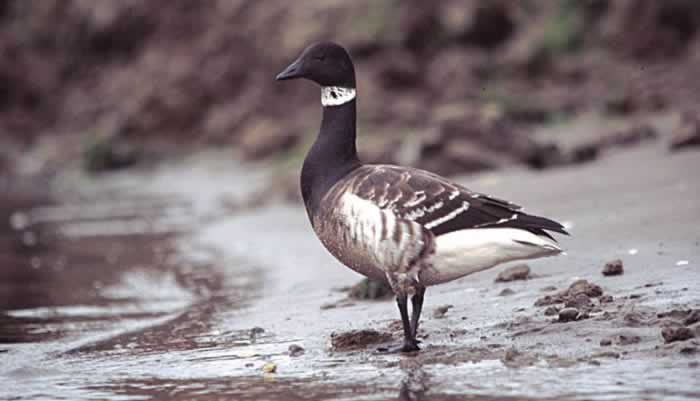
336	95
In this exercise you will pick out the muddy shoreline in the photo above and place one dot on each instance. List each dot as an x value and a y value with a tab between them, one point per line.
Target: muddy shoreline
207	298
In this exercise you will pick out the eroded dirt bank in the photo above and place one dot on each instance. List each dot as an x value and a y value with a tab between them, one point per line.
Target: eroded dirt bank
458	86
203	299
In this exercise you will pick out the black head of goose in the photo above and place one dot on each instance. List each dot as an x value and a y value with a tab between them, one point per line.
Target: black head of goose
405	226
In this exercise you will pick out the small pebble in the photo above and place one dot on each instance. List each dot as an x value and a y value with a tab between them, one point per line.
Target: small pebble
568	314
295	350
613	268
269	367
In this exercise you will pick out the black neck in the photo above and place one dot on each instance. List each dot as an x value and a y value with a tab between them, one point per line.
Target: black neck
333	154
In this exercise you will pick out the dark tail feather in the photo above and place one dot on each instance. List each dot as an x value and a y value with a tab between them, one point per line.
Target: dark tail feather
543	223
537	225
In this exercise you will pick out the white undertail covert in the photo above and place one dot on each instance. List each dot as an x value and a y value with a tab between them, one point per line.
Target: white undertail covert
468	251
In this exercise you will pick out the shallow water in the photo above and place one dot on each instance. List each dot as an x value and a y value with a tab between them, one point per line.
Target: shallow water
123	293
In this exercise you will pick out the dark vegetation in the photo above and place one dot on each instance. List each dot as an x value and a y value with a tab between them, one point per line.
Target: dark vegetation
454	87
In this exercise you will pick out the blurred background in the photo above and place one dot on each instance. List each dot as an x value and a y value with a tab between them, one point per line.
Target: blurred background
139	138
458	86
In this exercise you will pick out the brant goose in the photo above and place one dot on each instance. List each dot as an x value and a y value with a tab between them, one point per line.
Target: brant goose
404	226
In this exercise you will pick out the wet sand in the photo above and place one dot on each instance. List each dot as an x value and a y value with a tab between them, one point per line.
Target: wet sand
169	292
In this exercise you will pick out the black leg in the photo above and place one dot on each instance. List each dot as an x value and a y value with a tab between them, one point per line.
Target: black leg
417	302
409	340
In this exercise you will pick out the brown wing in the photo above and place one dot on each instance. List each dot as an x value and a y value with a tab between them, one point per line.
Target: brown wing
440	205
